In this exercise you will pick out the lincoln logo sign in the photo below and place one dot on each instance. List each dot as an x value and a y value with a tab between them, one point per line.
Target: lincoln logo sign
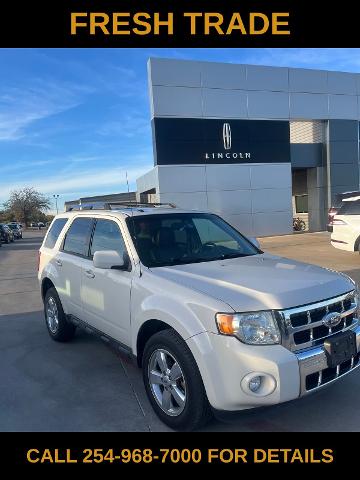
226	137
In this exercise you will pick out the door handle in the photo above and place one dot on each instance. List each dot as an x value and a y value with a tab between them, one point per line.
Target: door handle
89	273
58	262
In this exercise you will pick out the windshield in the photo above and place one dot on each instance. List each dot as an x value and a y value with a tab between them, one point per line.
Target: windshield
181	238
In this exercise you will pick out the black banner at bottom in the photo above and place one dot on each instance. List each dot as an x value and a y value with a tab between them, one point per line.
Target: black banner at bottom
247	451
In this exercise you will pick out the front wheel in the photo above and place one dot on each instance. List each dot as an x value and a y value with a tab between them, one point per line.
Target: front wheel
173	382
59	328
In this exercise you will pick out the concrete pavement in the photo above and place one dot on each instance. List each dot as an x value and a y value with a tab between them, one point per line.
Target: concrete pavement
86	386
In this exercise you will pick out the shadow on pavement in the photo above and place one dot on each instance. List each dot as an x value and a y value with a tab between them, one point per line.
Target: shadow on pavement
50	386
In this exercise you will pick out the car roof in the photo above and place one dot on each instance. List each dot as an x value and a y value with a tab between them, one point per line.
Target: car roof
126	212
352	199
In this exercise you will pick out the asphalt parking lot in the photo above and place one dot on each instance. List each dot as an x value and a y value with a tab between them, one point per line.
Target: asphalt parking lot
86	386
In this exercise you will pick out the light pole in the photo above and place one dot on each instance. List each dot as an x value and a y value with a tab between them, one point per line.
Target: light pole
56	200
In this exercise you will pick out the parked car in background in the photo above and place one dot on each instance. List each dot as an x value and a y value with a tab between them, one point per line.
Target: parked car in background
6	233
37	224
15	229
339	199
346	225
16	223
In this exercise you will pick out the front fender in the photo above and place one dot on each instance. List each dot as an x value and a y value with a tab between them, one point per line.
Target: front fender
178	316
186	311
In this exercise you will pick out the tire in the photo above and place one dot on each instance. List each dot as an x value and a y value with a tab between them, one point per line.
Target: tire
59	328
357	245
193	411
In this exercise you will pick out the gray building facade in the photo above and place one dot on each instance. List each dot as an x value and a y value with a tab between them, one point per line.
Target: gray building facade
99	200
257	145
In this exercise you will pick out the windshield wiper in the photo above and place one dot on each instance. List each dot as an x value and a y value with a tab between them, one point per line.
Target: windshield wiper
183	261
225	256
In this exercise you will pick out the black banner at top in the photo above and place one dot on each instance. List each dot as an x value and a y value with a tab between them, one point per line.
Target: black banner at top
177	23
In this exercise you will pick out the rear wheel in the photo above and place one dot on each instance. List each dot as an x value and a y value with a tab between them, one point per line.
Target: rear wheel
173	382
59	328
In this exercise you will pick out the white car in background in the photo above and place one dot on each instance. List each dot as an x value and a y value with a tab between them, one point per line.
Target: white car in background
346	226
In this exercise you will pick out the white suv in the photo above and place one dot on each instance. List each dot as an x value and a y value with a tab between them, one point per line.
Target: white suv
214	322
346	225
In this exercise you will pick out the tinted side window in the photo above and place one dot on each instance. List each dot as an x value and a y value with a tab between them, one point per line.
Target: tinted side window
54	232
107	236
350	208
77	237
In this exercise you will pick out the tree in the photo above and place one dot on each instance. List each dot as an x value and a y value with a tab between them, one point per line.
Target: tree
26	204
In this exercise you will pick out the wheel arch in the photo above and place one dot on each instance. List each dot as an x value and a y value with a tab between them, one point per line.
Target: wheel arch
146	331
45	285
357	244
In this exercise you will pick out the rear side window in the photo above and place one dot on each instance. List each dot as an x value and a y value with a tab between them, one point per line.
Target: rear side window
54	232
78	235
350	208
107	236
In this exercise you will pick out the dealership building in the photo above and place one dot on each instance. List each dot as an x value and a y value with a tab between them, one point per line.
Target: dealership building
258	145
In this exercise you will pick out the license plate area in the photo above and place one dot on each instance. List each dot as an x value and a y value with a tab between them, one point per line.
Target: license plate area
340	348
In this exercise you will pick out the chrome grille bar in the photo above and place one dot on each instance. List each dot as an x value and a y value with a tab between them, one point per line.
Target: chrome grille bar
313	321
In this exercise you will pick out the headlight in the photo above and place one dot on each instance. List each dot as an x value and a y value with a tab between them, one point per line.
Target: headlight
254	328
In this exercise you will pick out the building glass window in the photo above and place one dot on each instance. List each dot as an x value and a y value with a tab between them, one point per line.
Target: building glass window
301	204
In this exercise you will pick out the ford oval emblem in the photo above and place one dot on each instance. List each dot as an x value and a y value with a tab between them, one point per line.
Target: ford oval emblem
332	319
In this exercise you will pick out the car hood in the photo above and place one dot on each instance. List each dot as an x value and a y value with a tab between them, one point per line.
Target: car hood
259	282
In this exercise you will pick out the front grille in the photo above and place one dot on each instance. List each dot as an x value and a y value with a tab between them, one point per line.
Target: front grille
322	377
304	327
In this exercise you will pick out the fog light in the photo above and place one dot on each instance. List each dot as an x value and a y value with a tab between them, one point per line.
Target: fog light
258	384
255	383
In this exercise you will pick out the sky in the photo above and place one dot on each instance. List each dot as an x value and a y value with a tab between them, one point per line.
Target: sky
73	121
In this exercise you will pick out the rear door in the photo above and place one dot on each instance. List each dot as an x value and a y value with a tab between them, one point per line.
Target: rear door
106	293
70	261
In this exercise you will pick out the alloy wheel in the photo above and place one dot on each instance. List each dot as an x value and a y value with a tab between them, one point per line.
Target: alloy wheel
52	316
167	382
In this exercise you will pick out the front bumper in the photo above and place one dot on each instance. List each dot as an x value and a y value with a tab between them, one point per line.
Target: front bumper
225	361
314	371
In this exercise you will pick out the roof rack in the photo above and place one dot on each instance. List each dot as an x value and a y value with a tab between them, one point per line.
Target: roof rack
123	204
131	203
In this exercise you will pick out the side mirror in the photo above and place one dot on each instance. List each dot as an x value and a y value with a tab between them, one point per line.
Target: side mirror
255	242
107	259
